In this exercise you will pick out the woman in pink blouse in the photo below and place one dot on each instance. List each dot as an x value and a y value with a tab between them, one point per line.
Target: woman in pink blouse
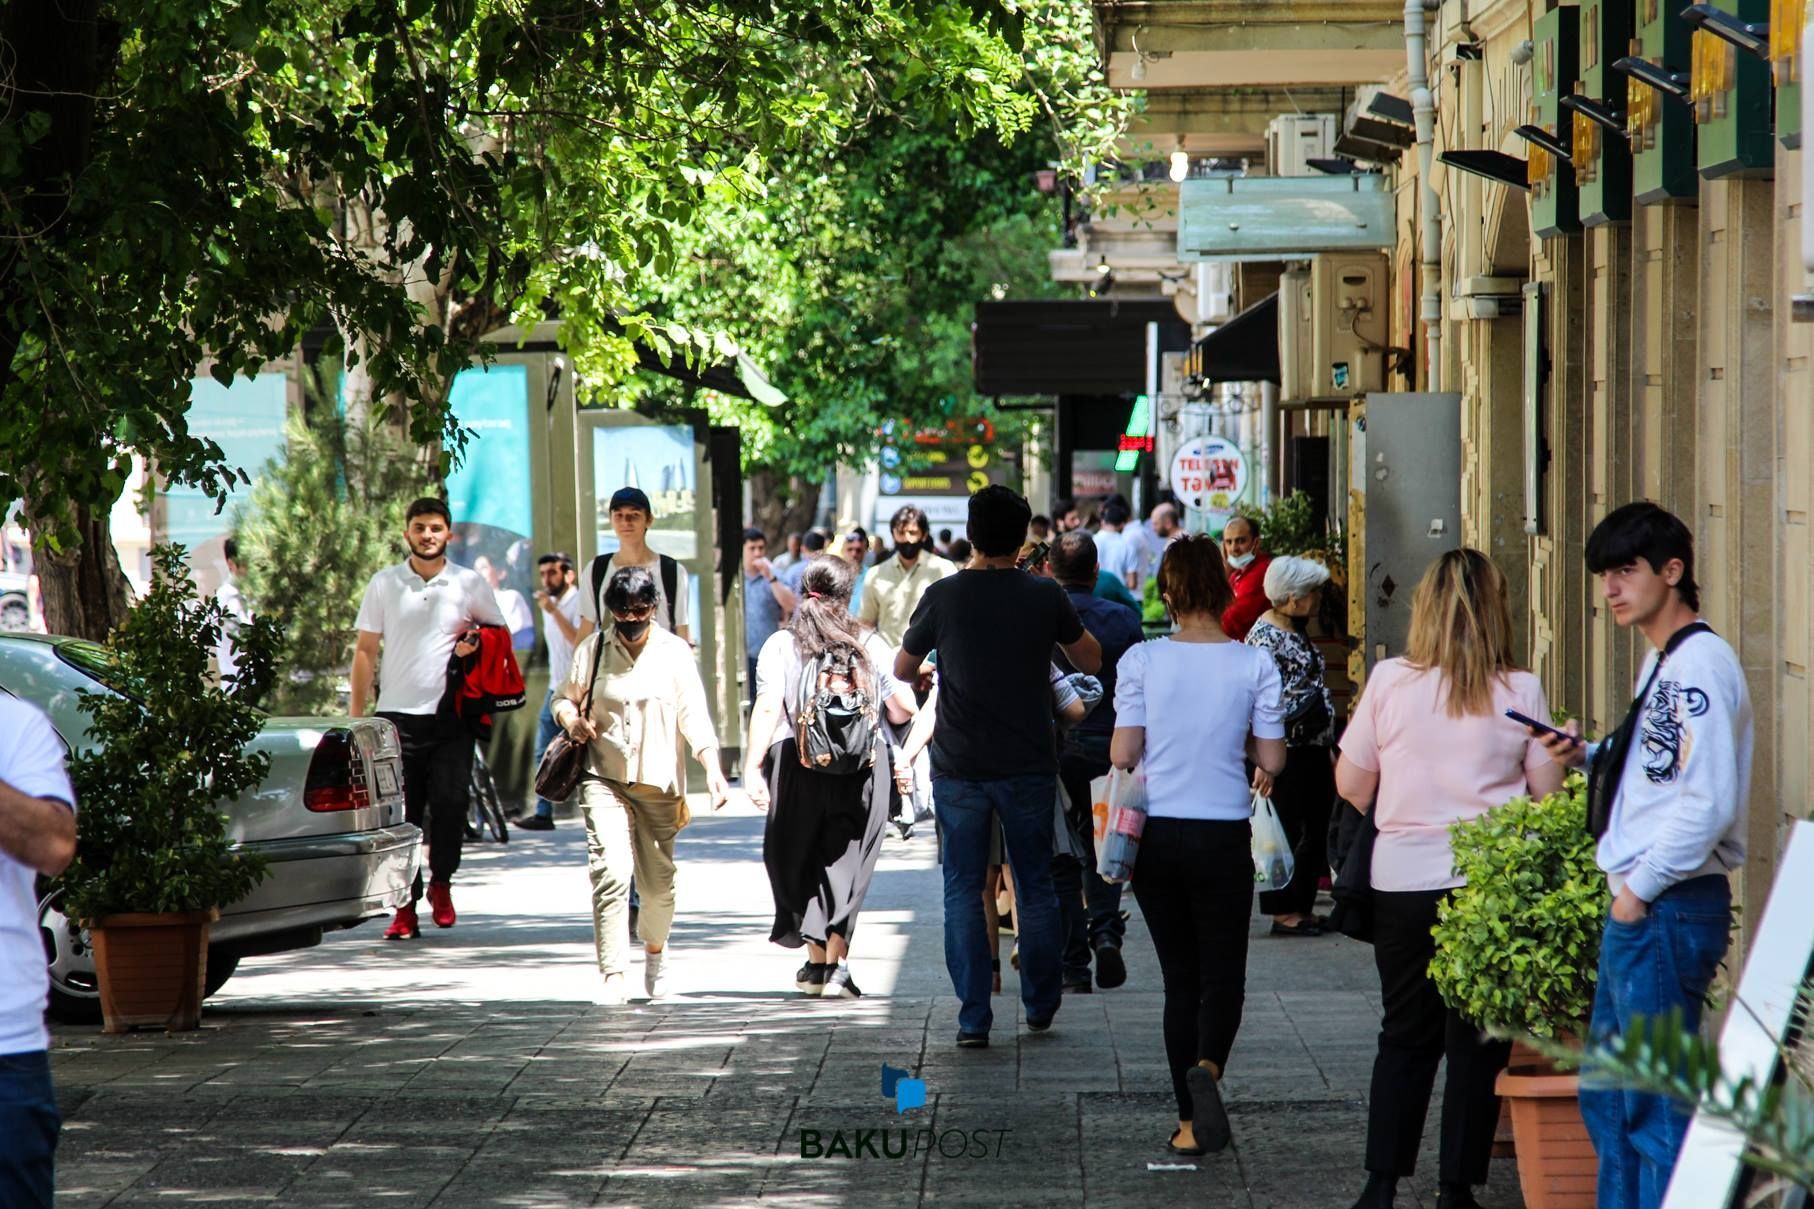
1430	745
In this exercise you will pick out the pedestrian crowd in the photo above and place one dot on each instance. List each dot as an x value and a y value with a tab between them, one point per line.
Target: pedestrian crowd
991	687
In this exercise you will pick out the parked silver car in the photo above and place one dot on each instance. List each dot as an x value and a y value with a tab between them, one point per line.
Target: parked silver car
328	816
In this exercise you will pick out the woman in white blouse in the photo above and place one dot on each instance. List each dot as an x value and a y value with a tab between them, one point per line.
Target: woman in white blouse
1195	707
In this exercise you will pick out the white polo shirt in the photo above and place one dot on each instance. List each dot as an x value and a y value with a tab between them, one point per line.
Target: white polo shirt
560	651
31	761
419	621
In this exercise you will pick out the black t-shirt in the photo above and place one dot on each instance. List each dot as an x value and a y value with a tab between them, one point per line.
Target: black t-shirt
993	631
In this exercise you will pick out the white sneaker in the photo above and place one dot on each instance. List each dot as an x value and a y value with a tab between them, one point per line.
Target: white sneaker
654	973
615	992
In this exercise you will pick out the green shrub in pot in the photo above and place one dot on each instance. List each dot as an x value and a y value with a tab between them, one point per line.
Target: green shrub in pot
1518	946
163	752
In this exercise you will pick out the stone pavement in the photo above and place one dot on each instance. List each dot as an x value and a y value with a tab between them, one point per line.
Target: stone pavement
470	1068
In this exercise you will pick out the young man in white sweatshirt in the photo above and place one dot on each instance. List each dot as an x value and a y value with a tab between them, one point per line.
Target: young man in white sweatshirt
1676	829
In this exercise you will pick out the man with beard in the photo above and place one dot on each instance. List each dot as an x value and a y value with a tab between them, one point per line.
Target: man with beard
419	610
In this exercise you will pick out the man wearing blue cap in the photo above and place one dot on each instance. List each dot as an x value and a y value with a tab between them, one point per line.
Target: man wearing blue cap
631	516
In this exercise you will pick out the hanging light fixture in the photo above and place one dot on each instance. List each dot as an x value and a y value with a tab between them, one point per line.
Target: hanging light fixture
1180	163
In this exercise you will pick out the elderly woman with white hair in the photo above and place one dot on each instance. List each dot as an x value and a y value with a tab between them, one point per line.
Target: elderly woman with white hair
1304	793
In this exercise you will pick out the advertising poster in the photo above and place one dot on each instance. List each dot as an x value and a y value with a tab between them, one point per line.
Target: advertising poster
659	459
246	420
489	492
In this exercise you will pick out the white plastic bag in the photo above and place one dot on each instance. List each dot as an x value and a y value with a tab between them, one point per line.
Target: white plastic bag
1120	817
1272	860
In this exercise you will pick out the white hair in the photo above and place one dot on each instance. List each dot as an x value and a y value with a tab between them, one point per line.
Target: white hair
1289	576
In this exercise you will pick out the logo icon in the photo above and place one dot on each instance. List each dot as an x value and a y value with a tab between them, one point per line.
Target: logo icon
905	1092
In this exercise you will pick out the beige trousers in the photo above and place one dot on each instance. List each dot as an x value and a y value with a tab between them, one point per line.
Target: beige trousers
629	832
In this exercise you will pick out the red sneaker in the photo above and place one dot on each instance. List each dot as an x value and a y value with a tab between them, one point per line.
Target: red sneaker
404	927
440	901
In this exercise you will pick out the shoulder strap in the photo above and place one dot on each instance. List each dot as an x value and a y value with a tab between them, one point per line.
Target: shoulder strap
670	584
1609	768
598	657
601	568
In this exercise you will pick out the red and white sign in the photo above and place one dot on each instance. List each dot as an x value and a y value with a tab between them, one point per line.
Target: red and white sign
1209	474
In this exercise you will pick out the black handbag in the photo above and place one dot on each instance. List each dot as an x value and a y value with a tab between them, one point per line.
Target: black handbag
1352	888
1609	766
564	760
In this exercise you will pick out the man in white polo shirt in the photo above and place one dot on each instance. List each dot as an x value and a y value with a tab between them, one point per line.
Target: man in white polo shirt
417	611
37	835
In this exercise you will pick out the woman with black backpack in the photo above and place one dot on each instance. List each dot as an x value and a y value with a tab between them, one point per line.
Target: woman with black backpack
818	762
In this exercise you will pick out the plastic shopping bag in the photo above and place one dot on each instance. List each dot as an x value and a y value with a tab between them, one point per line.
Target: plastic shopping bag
1272	860
1123	818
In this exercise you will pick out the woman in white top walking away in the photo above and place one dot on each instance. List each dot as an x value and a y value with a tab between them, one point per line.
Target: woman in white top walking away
1195	707
1429	745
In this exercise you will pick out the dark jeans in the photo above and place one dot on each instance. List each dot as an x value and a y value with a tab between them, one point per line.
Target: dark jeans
1418	1031
545	730
1303	795
1193	879
1089	908
29	1121
966	814
437	785
1663	963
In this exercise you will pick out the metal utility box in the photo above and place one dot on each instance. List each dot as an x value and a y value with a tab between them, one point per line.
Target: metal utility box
1554	199
1293	140
1333	327
1660	128
1787	19
1404	509
1602	156
1732	96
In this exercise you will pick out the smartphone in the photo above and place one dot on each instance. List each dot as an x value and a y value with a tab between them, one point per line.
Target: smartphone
1035	556
1544	727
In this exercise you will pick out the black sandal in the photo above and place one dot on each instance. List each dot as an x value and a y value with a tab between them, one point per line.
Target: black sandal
1173	1146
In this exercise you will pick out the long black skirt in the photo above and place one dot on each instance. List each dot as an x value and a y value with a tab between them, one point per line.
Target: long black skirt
820	845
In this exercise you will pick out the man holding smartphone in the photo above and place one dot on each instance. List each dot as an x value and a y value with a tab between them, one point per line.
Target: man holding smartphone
1674	832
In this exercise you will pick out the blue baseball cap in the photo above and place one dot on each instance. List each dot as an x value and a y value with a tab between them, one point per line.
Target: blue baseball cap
631	497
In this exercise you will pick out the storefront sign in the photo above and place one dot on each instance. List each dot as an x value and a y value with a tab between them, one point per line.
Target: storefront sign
1209	474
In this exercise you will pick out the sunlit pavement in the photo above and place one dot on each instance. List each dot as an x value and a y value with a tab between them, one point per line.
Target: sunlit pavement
471	1068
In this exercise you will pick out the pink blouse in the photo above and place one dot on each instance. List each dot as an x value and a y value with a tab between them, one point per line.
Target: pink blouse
1435	769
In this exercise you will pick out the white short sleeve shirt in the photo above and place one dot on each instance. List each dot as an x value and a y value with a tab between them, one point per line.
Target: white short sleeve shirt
31	761
560	651
419	621
683	593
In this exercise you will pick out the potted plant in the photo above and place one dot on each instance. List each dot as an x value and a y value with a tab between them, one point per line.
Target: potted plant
165	747
1517	950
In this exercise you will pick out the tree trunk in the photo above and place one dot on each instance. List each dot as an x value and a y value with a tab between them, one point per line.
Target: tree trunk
85	591
781	507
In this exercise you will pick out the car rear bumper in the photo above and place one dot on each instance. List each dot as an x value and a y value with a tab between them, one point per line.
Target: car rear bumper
329	881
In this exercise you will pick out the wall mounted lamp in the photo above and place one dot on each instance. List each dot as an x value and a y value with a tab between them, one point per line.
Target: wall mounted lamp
1669	83
1596	112
1495	166
1752	38
1549	142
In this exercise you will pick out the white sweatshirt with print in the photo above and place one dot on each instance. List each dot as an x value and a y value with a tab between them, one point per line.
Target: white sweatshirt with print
1682	802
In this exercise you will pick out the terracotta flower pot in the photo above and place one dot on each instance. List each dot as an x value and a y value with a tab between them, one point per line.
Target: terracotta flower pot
1556	1164
1505	1143
151	969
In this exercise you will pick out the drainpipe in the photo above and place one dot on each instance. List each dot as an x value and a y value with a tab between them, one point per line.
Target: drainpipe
1423	108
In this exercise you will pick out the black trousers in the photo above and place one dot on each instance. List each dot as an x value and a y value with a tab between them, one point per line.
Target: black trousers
1193	879
1303	795
437	786
1418	1029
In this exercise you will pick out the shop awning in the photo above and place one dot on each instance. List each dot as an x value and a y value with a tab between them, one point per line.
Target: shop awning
1071	347
1245	349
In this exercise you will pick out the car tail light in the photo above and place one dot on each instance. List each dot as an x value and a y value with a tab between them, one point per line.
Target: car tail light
336	779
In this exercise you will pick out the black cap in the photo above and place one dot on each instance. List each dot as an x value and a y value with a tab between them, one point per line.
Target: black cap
631	497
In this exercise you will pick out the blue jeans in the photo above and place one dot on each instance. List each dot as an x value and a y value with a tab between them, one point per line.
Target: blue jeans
1664	963
1024	806
545	730
29	1121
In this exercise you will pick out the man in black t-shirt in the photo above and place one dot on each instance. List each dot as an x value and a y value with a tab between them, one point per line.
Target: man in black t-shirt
995	750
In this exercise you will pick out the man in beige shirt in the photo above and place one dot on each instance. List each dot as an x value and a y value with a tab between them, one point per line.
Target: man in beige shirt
643	695
894	588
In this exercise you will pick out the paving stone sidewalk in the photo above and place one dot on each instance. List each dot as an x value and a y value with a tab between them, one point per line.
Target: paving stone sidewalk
471	1068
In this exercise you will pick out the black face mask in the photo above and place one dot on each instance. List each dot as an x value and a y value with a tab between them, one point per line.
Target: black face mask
630	631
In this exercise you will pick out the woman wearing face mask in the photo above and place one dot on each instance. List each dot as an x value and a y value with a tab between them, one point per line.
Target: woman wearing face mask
641	693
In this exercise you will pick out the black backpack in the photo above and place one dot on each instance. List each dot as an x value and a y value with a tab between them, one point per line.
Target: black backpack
601	570
834	718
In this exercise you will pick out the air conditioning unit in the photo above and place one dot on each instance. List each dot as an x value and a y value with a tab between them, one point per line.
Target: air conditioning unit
1349	330
1293	140
1295	331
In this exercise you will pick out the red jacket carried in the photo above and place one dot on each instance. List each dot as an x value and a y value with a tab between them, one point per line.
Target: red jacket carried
1249	583
485	682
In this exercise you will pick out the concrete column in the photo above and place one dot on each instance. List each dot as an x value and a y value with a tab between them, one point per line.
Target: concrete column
1557	559
1737	531
1795	390
1612	464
